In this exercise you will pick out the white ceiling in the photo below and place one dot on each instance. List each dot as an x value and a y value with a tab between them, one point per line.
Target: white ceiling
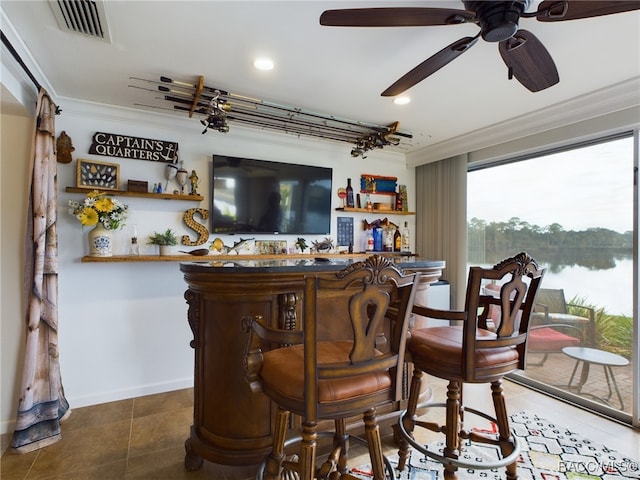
337	71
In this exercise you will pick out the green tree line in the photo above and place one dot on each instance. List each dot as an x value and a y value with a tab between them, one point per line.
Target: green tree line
594	247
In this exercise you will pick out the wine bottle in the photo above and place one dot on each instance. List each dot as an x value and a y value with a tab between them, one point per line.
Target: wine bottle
350	199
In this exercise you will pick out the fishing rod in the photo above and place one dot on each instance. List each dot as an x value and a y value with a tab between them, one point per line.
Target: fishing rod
194	87
287	120
248	110
265	125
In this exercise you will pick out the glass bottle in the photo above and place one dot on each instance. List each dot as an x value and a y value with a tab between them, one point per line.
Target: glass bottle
406	244
350	199
134	248
369	246
377	239
388	240
398	205
397	240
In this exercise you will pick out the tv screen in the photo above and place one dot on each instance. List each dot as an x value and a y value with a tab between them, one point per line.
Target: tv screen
258	196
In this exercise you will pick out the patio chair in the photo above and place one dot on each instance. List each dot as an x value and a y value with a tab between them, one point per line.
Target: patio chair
553	327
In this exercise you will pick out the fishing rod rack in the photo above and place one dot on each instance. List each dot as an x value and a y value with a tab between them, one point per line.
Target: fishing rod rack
216	108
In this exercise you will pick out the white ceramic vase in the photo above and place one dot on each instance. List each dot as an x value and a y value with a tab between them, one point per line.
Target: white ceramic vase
100	242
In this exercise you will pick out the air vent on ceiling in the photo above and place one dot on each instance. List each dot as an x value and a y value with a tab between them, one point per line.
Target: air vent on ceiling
82	16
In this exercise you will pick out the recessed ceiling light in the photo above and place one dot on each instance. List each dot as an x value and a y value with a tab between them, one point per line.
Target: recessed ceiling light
401	100
263	63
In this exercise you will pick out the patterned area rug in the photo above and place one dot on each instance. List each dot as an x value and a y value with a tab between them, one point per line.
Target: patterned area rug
547	452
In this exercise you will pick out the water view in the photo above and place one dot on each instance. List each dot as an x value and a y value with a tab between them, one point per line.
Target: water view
610	288
577	221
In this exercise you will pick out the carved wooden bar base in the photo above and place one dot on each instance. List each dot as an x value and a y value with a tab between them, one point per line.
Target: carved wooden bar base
232	425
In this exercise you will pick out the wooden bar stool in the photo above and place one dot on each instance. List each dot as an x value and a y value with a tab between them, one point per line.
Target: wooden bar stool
469	351
332	374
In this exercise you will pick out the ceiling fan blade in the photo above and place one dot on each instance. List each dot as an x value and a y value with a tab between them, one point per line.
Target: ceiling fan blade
430	66
555	10
394	17
529	61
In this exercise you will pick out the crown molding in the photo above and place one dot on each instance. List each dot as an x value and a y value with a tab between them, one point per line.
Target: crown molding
611	99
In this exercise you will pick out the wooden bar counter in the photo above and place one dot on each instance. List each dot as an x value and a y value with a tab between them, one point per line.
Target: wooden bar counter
232	425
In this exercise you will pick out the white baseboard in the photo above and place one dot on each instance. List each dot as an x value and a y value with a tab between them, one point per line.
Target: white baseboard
7	426
138	391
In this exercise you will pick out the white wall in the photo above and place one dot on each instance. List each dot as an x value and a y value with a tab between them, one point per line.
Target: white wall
123	328
15	134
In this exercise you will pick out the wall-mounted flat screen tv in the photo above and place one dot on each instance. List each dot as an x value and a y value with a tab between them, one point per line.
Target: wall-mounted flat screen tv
258	196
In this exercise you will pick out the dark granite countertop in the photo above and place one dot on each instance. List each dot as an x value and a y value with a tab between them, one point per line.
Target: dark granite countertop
320	264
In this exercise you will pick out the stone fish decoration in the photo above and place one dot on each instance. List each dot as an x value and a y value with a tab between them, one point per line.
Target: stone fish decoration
64	147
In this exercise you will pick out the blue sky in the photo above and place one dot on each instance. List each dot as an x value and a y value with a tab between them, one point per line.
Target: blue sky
589	187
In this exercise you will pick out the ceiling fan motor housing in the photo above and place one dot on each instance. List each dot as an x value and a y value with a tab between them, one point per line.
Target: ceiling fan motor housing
498	21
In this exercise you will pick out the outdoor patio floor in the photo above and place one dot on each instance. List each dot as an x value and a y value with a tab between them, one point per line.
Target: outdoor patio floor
557	369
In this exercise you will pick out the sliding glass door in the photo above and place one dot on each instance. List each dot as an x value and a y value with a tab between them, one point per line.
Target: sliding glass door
572	210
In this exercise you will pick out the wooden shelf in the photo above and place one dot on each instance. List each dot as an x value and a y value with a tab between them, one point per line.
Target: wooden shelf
377	212
210	258
124	193
389	194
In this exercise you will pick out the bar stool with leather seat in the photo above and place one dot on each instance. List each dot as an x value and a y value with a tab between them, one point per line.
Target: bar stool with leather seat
468	351
332	374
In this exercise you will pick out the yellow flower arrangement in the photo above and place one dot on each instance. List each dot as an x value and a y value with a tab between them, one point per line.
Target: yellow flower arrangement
98	208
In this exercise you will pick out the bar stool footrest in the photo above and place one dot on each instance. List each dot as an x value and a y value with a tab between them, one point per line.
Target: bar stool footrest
488	465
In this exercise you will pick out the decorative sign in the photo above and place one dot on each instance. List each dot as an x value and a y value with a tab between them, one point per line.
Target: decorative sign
345	231
113	145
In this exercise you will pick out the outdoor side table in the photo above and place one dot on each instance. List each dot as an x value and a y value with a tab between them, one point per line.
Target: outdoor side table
588	356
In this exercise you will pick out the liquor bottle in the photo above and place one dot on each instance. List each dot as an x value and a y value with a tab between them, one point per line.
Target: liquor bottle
350	199
397	241
388	240
398	206
369	246
377	239
406	244
368	204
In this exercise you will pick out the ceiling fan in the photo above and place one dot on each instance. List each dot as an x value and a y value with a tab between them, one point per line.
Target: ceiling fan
525	56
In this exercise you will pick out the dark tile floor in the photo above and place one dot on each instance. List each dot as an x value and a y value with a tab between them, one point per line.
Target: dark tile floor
143	438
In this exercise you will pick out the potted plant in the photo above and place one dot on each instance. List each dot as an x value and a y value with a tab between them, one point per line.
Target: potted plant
165	241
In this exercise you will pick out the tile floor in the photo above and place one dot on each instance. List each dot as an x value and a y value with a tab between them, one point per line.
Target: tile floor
143	438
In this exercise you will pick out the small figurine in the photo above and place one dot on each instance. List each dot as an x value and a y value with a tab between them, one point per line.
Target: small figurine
194	182
323	246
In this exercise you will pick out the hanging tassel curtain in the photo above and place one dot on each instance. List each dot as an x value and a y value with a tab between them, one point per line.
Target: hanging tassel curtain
42	403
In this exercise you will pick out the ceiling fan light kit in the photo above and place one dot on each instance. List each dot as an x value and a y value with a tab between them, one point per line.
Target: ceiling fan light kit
526	58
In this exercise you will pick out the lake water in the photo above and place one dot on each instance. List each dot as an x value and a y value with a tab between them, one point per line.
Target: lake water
611	288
